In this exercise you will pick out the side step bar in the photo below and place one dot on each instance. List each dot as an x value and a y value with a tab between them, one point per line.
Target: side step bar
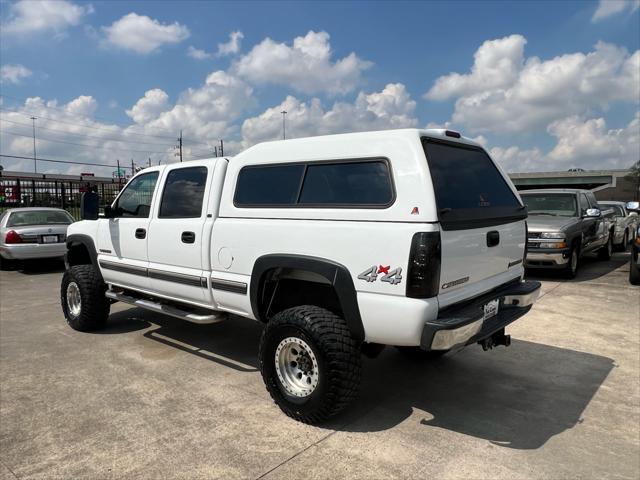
165	309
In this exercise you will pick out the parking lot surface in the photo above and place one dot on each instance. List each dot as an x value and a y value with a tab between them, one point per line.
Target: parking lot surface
155	397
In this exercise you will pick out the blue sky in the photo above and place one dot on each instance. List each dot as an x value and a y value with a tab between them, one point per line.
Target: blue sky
557	84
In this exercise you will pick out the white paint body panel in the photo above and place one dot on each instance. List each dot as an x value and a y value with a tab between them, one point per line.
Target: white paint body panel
230	239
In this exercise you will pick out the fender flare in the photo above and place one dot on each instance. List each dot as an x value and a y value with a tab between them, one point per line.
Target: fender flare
87	241
337	275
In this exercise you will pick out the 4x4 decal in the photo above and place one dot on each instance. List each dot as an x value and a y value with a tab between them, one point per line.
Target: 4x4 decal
393	277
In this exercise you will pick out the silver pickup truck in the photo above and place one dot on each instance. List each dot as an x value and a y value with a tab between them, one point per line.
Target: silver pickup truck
625	223
563	225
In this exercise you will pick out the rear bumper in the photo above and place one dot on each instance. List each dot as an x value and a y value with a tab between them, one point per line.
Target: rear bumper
461	325
32	250
547	258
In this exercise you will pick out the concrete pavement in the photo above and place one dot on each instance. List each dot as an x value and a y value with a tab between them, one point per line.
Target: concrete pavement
154	397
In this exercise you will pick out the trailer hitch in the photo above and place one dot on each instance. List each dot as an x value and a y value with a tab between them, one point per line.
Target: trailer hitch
498	338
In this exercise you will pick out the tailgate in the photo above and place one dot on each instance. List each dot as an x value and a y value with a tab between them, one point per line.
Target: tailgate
481	220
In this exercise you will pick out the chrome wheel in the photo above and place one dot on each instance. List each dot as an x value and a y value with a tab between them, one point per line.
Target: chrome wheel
74	301
297	367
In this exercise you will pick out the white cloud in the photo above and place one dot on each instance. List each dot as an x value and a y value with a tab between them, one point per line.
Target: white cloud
198	54
505	93
584	143
35	16
14	73
608	8
83	106
232	46
142	34
150	106
390	108
305	66
496	65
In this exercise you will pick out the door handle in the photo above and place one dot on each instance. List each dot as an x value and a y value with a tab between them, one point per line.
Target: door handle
188	237
493	238
141	233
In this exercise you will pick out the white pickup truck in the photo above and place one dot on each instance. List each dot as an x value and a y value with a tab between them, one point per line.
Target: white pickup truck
338	244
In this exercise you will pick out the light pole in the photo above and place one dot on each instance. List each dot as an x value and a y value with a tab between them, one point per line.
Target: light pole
284	113
35	161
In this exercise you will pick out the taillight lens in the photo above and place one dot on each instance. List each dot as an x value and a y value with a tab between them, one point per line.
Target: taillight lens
12	237
526	241
423	275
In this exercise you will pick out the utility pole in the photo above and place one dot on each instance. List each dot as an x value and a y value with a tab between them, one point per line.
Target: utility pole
149	161
118	160
180	146
221	148
284	113
215	151
35	161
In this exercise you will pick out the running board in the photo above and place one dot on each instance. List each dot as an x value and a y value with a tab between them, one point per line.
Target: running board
166	309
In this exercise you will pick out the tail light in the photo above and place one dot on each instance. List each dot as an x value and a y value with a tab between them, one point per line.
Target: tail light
12	237
423	275
526	241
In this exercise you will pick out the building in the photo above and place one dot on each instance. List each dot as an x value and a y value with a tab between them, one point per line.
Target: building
606	184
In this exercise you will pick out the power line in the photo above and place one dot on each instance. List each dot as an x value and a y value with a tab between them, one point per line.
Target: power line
57	161
136	142
85	145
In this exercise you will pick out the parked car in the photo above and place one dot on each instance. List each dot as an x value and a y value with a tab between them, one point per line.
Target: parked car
33	232
626	222
563	225
340	244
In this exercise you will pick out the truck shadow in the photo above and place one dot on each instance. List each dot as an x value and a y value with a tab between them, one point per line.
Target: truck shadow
590	268
516	398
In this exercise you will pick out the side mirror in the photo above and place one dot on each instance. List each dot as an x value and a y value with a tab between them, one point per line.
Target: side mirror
593	212
89	206
633	206
110	212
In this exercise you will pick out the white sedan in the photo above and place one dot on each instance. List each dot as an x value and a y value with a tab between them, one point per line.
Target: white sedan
27	233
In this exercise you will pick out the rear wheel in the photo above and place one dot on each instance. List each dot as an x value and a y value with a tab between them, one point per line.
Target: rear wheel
310	363
605	252
82	298
634	272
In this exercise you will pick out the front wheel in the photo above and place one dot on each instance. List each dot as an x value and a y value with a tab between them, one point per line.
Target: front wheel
606	251
82	298
571	269
310	363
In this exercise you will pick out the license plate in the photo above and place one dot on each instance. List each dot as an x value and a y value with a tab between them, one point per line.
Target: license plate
49	239
491	309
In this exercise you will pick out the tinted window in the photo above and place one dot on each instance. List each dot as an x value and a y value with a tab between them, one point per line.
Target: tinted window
183	193
267	185
584	204
135	200
353	183
468	186
563	205
39	217
617	209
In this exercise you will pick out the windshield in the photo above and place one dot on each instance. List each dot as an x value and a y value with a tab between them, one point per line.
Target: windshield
562	205
39	217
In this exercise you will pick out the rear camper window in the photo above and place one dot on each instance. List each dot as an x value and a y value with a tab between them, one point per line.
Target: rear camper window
470	191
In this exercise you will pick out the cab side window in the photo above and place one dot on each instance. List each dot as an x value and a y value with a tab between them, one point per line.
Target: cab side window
183	193
135	200
584	204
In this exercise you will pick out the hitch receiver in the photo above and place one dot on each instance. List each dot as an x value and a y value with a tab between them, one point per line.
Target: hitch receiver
498	338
